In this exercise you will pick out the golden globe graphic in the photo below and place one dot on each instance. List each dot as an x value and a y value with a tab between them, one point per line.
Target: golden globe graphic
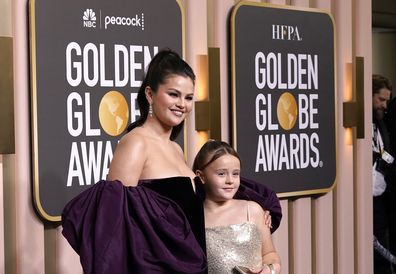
96	71
283	97
113	113
287	111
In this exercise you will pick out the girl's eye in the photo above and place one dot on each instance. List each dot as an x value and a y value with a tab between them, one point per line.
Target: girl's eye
220	173
173	94
190	98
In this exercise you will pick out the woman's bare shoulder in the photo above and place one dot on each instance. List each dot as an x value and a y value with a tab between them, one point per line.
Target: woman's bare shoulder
178	148
131	148
128	159
135	133
133	140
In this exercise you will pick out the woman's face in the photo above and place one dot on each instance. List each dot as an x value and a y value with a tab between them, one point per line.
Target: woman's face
221	178
173	100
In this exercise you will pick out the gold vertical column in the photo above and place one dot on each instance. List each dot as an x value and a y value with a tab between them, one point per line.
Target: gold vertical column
208	112
214	93
7	144
353	112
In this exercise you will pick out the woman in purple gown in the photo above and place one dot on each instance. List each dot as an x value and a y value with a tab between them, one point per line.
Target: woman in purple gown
147	217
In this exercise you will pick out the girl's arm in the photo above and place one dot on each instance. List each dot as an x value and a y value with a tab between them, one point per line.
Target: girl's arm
270	258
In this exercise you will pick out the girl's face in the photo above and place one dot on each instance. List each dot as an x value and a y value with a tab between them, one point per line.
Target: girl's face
221	178
173	100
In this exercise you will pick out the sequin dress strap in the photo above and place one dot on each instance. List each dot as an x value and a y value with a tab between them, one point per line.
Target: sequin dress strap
248	213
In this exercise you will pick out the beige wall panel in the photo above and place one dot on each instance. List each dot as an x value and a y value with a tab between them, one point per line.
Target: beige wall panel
364	232
301	252
323	249
278	2
322	4
68	260
29	229
344	200
363	206
217	37
5	18
344	196
196	44
300	3
281	237
323	215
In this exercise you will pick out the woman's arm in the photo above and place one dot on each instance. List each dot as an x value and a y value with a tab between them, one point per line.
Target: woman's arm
128	160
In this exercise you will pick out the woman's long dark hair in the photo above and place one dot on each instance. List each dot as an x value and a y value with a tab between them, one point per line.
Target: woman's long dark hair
165	62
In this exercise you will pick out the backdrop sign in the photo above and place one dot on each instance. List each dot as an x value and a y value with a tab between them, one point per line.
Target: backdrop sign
284	97
87	63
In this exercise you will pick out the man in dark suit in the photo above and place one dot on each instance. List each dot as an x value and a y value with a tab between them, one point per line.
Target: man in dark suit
382	162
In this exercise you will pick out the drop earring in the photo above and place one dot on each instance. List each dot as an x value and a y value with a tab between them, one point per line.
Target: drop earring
150	110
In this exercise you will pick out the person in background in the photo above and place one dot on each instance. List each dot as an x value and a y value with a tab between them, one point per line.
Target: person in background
390	120
382	161
237	237
147	217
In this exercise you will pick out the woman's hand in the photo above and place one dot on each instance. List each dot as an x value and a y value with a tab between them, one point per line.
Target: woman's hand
265	269
257	271
270	269
246	270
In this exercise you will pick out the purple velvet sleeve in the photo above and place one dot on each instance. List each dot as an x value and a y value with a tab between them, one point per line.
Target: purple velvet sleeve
261	194
118	229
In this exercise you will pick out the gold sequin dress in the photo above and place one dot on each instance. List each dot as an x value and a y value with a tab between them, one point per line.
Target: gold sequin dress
232	245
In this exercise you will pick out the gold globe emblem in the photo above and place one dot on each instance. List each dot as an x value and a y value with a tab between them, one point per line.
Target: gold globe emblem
113	113
287	111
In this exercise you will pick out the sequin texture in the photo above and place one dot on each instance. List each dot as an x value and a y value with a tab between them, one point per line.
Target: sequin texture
228	246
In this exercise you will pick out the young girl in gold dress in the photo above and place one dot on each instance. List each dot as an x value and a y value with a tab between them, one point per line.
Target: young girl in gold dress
237	237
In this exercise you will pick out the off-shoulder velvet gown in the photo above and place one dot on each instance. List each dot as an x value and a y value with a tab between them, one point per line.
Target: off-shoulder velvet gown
156	227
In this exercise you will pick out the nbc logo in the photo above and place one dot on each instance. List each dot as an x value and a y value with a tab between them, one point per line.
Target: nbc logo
89	18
